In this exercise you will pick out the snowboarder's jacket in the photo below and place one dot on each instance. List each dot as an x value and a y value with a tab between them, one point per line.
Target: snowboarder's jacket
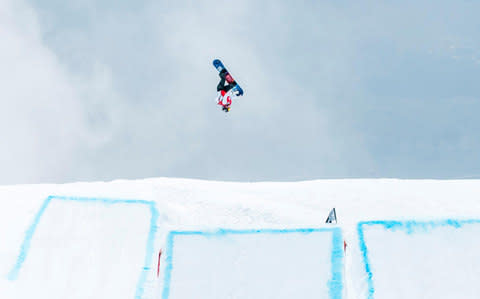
224	99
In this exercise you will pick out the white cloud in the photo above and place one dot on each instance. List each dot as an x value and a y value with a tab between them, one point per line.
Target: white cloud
42	117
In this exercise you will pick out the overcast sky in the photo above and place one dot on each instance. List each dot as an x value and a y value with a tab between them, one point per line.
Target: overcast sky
101	90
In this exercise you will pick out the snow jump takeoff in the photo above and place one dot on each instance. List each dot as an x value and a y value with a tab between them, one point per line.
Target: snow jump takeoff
226	91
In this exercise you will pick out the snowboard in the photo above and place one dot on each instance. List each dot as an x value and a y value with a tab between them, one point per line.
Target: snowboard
237	90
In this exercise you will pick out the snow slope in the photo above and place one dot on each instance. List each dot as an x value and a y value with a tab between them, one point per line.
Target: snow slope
102	240
252	264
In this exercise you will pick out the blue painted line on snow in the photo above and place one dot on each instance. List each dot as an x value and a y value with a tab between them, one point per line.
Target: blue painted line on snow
222	231
366	261
335	284
13	274
24	249
409	227
148	251
104	200
169	265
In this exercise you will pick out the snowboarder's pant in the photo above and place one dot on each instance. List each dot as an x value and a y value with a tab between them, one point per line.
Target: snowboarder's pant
221	85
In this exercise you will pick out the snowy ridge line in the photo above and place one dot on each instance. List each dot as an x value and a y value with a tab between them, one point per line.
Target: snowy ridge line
409	226
24	248
335	283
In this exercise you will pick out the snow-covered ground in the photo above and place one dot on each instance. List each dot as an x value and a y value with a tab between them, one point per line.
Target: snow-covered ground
240	240
296	263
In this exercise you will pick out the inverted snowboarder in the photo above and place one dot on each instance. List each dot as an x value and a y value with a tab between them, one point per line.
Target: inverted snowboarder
227	88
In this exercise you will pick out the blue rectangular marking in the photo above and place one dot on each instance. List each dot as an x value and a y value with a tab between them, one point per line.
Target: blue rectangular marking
25	247
335	284
409	227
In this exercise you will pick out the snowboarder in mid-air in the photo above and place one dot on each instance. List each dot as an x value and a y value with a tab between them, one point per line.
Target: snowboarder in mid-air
227	88
225	92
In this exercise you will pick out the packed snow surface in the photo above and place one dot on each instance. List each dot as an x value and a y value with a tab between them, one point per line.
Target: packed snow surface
404	239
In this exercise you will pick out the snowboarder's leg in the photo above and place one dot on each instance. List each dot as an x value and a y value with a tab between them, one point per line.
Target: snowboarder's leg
221	85
226	88
223	73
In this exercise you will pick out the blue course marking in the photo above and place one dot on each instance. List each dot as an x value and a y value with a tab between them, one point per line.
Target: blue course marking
148	252
13	274
335	284
409	227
